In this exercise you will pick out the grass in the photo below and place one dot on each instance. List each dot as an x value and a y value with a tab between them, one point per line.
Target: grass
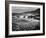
24	25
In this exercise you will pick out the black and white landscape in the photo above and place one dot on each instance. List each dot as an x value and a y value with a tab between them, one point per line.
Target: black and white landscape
25	18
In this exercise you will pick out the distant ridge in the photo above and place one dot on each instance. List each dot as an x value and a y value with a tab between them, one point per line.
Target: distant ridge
37	11
34	12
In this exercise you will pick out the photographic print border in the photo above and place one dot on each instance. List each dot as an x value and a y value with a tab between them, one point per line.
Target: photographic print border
7	18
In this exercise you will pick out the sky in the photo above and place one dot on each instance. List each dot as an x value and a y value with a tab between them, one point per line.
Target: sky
22	8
